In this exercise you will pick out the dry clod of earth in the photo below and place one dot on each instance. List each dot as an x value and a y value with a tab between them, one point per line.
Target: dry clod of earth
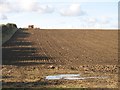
51	67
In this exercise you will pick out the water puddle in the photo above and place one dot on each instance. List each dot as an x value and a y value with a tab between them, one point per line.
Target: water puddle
71	77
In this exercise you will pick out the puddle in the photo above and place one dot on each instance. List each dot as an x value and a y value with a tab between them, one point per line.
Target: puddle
70	77
62	76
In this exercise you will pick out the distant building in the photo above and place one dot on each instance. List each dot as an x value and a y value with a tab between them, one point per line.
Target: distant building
30	26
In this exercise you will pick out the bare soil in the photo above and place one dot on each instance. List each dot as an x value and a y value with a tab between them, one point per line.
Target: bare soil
30	55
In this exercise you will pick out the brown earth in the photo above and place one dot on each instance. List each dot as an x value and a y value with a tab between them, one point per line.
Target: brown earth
30	55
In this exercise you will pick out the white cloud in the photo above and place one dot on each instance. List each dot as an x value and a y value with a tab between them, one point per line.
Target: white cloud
4	6
45	9
98	22
91	20
35	6
105	20
8	6
72	10
3	17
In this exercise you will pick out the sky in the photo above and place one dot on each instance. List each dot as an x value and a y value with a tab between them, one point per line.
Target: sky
73	14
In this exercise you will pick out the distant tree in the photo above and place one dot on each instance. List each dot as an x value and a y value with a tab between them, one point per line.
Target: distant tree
11	25
15	25
8	28
4	28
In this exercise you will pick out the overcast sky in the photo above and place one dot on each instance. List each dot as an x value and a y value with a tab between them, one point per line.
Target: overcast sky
101	14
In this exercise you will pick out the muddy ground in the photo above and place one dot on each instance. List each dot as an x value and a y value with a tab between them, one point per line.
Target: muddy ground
30	55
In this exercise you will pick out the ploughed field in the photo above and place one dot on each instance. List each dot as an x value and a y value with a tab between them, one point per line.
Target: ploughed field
31	55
